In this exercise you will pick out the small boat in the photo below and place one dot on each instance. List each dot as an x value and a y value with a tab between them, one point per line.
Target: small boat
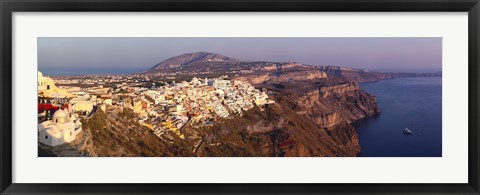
407	131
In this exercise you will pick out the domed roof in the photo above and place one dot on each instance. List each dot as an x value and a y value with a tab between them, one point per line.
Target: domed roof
39	74
59	113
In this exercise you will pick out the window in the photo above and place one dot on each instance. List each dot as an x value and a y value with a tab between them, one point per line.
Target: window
48	87
46	137
70	133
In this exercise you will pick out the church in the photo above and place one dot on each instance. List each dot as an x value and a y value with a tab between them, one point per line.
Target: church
63	128
46	88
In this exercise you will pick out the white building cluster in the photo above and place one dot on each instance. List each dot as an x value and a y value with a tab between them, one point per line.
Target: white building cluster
199	101
59	121
161	108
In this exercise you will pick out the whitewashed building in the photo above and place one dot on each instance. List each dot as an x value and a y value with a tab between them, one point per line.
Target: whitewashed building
221	84
83	104
46	87
63	128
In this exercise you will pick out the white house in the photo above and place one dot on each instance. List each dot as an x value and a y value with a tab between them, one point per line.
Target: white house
63	128
221	84
83	103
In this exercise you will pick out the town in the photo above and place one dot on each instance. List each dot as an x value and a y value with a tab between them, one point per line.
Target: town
161	107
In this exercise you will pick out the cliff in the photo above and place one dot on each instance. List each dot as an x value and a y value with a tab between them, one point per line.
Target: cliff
333	104
276	131
282	74
359	75
333	108
315	121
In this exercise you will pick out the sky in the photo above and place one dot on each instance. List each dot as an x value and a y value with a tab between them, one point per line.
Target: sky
103	55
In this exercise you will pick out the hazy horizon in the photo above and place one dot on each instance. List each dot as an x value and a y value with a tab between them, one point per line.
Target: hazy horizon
103	55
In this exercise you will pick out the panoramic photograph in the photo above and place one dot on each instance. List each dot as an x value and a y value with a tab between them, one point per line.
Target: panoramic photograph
239	96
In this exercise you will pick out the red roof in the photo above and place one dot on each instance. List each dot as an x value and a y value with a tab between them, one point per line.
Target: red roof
43	107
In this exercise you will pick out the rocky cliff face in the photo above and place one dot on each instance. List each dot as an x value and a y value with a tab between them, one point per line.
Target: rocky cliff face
283	76
332	104
277	131
315	121
358	75
333	108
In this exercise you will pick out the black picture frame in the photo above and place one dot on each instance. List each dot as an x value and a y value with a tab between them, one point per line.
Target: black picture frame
10	6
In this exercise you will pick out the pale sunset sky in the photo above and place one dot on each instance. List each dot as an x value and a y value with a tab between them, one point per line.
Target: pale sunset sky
83	55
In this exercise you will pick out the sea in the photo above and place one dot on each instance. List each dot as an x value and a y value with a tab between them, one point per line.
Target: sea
413	103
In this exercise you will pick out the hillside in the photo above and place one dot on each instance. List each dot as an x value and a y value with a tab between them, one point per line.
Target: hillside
204	64
311	121
196	60
317	123
118	134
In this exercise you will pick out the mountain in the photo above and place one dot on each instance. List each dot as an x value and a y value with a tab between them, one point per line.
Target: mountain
194	60
191	65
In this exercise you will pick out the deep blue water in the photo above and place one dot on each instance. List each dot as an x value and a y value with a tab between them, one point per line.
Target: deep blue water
415	103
